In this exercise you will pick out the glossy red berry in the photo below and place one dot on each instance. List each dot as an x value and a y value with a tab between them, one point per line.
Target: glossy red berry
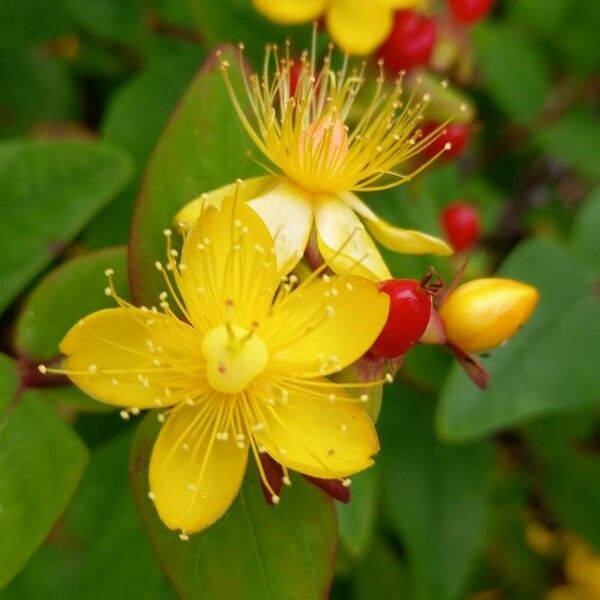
455	134
410	309
460	222
411	42
469	11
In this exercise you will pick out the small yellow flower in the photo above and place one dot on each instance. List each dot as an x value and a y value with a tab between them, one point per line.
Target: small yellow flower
323	162
357	26
481	314
245	369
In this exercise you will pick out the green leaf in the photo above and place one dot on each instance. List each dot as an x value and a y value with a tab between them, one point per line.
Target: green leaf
119	20
111	557
574	139
202	148
32	22
435	495
514	68
382	575
584	237
49	191
254	551
27	75
356	520
568	472
134	120
65	295
539	371
41	463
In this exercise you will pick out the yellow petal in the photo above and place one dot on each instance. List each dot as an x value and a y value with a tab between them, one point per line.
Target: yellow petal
229	267
407	241
359	26
312	435
123	356
189	214
290	12
195	477
325	325
343	241
287	211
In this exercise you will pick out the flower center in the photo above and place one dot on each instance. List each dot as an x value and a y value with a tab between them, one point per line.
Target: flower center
234	357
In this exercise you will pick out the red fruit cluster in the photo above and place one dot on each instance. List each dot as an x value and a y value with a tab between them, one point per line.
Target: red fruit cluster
411	42
410	309
455	134
460	222
469	11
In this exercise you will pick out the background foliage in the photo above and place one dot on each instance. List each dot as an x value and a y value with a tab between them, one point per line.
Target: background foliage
87	88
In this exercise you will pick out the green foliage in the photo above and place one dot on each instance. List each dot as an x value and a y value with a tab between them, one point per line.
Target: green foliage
50	190
435	495
241	556
41	462
91	558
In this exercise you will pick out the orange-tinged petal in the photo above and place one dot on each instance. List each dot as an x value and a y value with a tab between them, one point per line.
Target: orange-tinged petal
194	477
250	188
311	434
287	211
290	12
123	356
407	241
229	267
481	314
325	325
359	26
343	241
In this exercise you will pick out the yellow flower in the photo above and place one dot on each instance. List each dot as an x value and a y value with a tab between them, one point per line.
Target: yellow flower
245	368
481	314
357	26
322	163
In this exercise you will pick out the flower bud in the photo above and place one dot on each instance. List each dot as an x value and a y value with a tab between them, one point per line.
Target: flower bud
481	314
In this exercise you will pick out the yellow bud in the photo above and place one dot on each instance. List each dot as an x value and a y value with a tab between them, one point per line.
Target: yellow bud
481	314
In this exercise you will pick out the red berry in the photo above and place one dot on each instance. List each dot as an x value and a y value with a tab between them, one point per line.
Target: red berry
460	221
410	309
455	134
469	11
411	42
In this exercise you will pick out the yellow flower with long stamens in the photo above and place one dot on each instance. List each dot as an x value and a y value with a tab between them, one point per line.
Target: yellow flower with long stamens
244	368
322	162
357	26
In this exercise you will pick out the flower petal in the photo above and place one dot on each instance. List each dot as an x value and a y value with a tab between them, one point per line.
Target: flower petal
357	26
290	12
193	476
250	188
287	211
124	356
407	241
343	241
311	434
229	266
325	325
400	4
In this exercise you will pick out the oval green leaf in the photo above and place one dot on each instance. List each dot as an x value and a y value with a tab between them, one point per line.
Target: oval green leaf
49	191
41	463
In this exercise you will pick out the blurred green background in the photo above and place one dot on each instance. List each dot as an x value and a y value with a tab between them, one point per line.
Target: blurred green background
475	495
